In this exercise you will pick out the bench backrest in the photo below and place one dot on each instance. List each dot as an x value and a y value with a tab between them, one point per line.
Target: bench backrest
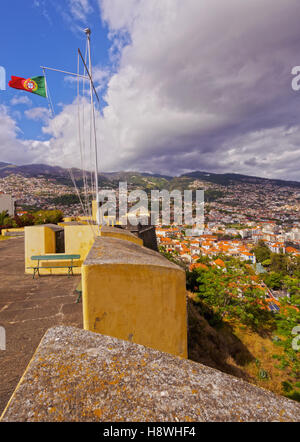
54	257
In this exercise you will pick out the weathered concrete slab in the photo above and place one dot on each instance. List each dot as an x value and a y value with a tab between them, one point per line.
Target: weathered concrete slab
117	232
114	251
77	375
28	307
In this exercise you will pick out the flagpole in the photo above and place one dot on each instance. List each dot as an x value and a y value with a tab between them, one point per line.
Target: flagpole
92	91
92	88
45	82
88	72
48	96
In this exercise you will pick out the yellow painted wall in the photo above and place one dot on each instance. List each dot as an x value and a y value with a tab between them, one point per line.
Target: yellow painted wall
84	218
121	234
94	210
144	304
38	241
79	240
4	231
109	220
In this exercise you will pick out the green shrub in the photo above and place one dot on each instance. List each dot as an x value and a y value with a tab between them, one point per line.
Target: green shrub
48	217
295	395
263	374
286	386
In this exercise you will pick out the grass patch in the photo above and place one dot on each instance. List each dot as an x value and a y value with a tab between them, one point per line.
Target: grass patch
280	378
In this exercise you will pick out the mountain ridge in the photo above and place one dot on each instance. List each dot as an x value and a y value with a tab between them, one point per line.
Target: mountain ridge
60	173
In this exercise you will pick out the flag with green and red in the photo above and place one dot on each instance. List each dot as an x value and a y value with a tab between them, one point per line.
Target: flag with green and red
35	85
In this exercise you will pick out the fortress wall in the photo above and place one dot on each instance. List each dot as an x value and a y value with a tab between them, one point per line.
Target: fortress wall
77	376
115	232
38	241
79	240
133	293
19	231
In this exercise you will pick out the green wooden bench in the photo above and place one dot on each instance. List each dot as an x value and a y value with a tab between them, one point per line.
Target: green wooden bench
54	257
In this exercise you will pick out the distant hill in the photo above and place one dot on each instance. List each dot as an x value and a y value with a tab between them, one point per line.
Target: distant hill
140	179
57	173
4	164
228	178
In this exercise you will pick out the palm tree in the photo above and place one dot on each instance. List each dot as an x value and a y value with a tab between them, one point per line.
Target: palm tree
3	216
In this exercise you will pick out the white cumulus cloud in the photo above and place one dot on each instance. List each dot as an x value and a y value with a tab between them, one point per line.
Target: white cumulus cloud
80	8
38	113
12	149
22	99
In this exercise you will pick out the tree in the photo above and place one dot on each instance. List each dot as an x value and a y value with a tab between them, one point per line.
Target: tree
262	251
266	262
3	217
203	259
212	289
24	220
273	280
292	286
191	280
48	216
278	263
233	294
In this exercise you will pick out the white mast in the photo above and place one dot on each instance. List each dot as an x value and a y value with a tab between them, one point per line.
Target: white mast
90	74
92	91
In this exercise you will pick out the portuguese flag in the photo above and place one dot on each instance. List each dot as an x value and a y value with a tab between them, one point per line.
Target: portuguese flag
35	85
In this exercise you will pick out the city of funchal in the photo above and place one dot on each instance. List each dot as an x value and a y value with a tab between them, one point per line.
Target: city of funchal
150	215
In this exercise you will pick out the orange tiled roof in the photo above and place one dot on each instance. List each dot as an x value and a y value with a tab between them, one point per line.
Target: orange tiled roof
219	262
198	265
291	250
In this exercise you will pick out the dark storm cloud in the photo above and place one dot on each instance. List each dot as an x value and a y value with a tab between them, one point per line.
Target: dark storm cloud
206	85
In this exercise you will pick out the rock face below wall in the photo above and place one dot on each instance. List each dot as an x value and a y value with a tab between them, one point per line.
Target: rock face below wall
77	375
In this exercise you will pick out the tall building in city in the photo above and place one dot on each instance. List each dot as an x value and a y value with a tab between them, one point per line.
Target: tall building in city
7	203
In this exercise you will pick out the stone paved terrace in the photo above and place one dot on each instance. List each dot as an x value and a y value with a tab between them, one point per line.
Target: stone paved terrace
77	375
27	309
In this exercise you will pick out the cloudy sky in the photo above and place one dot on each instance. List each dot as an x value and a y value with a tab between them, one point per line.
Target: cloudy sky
184	85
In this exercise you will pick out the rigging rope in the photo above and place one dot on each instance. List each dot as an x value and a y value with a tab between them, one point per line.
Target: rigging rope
88	189
52	113
81	130
86	205
50	105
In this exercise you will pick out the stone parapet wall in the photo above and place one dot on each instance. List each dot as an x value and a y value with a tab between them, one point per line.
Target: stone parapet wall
133	293
114	232
76	375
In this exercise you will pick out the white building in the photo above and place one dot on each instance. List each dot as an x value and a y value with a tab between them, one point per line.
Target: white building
7	203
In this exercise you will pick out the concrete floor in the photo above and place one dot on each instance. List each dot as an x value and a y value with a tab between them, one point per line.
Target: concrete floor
27	309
